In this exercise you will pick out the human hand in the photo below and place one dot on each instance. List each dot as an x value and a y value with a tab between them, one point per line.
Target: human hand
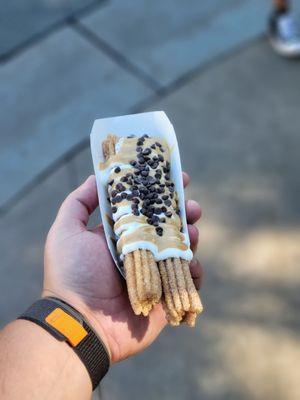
79	270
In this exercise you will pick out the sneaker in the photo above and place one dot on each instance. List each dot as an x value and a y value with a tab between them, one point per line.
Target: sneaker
284	30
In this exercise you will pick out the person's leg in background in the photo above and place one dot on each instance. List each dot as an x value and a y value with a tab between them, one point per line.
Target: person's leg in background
281	6
284	29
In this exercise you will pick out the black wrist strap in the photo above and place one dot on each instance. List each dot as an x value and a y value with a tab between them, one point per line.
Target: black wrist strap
67	324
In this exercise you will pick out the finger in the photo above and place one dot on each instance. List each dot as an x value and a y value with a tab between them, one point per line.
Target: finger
193	211
98	229
194	237
80	203
196	272
186	179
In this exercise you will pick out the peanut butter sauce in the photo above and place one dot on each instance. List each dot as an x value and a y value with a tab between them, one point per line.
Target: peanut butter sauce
122	176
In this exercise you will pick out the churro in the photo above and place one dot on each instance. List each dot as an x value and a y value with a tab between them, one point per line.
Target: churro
148	227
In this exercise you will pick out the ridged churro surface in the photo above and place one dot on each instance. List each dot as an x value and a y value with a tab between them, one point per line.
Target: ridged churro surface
145	210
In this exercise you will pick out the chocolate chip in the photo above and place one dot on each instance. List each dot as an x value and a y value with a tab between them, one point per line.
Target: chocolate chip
133	163
160	158
152	146
129	196
111	182
156	223
118	199
158	144
124	179
145	173
114	193
166	170
135	193
130	136
114	210
139	149
136	200
140	142
141	159
147	151
149	214
130	182
157	210
145	136
178	211
120	187
142	196
134	206
149	221
158	201
155	195
154	165
165	197
154	218
124	195
168	214
167	177
157	176
143	211
117	170
171	188
168	203
162	149
135	212
151	180
159	230
163	220
163	209
137	172
137	181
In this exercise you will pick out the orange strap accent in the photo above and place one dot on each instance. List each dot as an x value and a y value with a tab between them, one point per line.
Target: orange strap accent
67	325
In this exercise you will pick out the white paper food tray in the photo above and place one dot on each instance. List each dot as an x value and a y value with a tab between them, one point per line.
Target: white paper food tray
154	123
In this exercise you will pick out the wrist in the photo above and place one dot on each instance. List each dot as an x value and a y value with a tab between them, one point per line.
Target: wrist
48	367
89	316
67	324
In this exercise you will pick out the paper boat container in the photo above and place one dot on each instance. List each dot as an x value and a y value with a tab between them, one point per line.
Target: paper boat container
154	124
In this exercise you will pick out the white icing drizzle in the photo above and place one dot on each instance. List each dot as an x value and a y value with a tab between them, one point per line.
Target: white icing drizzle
128	228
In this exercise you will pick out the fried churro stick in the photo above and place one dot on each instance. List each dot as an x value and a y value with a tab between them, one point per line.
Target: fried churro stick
182	302
131	283
190	319
142	275
195	302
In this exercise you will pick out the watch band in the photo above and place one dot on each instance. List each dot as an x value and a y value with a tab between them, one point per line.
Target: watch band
67	324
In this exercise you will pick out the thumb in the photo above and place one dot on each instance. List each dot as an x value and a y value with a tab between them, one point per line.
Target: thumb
79	204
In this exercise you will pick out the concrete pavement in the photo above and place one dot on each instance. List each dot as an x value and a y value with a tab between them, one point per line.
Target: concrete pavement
237	122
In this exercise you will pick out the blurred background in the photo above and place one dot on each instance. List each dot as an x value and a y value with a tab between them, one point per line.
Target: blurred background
235	107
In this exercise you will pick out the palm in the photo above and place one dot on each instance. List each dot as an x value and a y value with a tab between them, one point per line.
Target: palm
93	284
